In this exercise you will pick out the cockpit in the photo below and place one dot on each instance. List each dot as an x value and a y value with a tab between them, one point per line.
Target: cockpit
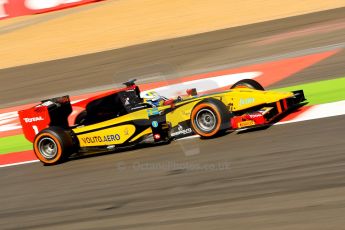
114	105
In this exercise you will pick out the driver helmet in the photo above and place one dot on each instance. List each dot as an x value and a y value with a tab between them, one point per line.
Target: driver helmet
152	98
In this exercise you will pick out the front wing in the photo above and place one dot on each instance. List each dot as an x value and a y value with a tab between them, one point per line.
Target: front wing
269	113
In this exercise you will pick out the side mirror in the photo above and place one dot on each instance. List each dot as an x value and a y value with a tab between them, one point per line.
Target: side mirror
130	83
192	92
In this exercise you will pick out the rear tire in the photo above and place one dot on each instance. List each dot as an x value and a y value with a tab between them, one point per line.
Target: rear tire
53	145
248	83
209	118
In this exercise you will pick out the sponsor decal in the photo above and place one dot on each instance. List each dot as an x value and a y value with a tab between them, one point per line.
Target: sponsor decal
245	101
245	123
186	112
101	139
3	12
181	131
255	115
154	124
126	131
153	111
46	4
29	120
15	8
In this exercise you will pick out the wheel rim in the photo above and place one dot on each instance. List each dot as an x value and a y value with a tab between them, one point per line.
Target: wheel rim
48	148
206	120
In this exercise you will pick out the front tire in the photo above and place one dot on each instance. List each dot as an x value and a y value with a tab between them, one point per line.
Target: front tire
248	83
53	145
209	118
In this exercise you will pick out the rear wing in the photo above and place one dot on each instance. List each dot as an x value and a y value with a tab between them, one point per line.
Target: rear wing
51	112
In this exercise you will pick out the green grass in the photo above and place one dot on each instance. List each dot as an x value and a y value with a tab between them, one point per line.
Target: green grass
14	144
321	92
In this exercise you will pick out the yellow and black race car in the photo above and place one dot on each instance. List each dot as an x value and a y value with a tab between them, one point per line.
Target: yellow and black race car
127	117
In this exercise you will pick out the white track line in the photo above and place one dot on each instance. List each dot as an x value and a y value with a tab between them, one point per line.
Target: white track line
204	84
19	163
319	111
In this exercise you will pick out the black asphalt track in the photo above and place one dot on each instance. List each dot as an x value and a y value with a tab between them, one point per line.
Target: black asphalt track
288	176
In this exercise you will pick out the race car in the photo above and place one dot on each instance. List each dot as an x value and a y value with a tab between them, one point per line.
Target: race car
128	117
